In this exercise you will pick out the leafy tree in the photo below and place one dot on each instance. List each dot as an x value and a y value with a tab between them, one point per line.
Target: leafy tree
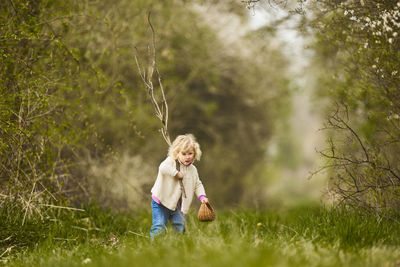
38	77
71	96
357	41
225	99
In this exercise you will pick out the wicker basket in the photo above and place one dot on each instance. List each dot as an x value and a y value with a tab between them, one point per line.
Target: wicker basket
206	213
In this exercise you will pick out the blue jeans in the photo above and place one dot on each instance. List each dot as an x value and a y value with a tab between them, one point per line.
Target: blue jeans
161	216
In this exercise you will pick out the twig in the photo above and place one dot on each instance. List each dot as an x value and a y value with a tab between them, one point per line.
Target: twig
80	228
147	78
7	251
290	228
161	109
138	234
61	207
28	203
64	239
8	238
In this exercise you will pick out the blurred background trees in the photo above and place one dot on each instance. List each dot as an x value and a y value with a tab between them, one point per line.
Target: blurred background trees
355	65
77	125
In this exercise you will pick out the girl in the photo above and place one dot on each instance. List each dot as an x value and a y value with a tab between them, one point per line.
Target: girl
176	182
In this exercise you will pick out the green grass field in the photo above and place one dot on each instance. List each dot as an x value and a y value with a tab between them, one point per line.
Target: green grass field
300	236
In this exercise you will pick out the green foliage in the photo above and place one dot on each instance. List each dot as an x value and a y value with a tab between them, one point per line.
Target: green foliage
358	42
304	235
65	226
37	73
223	98
71	95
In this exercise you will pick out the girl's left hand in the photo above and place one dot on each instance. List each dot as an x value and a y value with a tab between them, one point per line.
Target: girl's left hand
204	200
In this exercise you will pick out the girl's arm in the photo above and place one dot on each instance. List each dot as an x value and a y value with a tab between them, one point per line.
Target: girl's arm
167	167
199	189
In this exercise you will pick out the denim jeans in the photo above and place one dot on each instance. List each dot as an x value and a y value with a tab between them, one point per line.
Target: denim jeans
161	216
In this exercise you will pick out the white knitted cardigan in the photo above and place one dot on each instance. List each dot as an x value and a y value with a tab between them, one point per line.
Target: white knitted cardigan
167	188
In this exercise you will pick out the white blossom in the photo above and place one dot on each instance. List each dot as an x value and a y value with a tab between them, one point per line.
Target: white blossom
393	117
388	29
86	261
384	24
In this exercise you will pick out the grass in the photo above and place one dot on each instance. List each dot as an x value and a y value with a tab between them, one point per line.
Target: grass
300	236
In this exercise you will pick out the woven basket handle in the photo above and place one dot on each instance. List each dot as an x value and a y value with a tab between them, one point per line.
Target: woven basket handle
209	206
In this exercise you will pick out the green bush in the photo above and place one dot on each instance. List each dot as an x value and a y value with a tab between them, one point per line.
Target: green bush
358	45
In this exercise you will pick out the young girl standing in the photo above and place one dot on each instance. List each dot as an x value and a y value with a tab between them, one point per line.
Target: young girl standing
177	181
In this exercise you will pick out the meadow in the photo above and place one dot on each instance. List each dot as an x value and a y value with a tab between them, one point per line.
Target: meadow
78	124
307	235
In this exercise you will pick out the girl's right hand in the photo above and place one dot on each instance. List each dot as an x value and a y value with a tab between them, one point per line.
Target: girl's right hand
179	175
204	200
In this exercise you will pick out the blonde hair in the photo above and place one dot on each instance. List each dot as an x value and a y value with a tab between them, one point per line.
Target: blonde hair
184	143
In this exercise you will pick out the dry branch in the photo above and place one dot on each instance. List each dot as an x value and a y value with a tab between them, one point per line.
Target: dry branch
160	107
361	178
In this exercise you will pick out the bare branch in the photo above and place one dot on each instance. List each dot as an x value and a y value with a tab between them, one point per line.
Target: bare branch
161	113
160	108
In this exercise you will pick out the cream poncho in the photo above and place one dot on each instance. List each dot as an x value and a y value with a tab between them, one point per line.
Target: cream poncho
167	188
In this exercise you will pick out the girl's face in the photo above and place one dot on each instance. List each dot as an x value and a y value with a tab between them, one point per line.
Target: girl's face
186	157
